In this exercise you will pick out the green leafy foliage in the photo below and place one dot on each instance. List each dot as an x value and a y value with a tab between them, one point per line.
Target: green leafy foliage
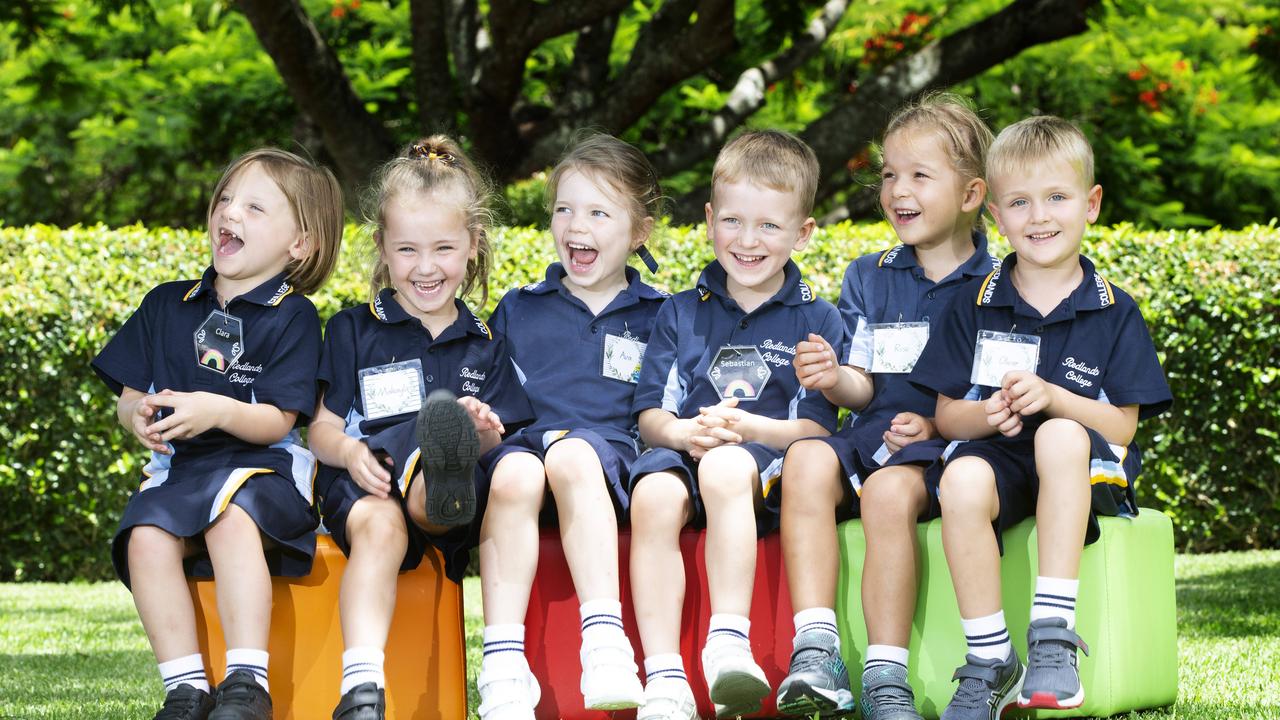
1212	300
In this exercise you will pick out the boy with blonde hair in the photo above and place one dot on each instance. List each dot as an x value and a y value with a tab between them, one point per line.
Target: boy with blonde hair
718	402
1042	370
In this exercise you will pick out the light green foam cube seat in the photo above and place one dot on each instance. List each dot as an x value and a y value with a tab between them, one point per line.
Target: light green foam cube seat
1125	613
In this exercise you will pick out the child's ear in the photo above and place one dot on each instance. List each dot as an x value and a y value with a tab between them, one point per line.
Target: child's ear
642	233
476	239
975	191
302	247
995	215
806	232
1095	203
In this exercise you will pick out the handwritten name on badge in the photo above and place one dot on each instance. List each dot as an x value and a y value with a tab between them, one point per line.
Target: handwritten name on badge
895	347
392	389
998	354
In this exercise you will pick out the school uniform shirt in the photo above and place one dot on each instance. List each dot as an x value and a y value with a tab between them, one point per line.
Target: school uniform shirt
1095	344
891	287
263	347
702	334
559	350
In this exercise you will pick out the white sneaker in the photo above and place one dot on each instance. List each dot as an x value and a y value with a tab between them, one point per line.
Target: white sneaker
609	677
507	696
668	699
734	680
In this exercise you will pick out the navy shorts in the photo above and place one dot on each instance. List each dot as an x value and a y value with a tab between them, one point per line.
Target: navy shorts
1018	484
858	462
185	500
339	494
768	465
615	462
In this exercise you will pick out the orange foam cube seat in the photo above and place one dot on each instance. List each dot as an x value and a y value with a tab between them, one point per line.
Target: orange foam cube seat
425	665
553	624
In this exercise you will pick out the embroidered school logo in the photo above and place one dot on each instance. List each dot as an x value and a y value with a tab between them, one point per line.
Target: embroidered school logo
219	342
775	352
1080	373
484	329
989	287
890	255
376	307
284	289
1104	290
471	380
806	295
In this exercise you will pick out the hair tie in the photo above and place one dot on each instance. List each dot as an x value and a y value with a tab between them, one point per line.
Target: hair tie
429	152
647	258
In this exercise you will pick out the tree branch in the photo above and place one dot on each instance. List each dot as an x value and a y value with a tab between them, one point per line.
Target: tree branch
432	80
319	87
748	94
857	118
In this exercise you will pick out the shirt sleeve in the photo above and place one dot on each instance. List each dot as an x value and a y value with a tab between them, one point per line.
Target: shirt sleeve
945	365
289	379
503	392
853	311
812	404
125	361
661	384
337	371
1134	375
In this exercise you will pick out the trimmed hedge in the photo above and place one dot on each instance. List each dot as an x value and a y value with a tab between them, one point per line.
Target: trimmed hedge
66	467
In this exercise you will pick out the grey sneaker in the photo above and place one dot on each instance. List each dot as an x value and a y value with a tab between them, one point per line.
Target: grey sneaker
817	682
1053	679
986	688
886	695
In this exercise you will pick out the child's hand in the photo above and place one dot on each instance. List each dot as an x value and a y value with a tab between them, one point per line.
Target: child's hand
714	427
363	467
482	415
191	413
906	428
1000	417
139	421
816	364
1028	393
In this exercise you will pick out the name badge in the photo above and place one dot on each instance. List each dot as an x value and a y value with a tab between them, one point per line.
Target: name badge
895	347
998	353
622	357
739	371
392	389
219	342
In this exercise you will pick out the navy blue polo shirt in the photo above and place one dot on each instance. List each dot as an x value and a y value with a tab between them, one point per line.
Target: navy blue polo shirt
890	287
262	348
558	346
1095	343
693	327
467	359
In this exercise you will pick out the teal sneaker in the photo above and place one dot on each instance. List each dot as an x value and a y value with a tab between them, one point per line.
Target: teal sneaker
817	682
886	694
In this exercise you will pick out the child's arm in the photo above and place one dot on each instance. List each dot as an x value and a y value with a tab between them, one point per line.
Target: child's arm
329	442
135	415
661	428
1029	394
195	412
975	419
750	427
817	368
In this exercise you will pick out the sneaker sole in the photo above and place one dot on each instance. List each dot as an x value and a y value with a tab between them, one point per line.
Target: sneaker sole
450	449
1010	700
803	700
740	693
612	703
1049	701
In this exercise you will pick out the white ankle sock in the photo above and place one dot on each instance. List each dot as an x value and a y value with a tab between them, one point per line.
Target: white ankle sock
987	637
187	670
253	661
362	665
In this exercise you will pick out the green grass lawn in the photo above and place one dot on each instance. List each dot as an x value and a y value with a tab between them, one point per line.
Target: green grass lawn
78	651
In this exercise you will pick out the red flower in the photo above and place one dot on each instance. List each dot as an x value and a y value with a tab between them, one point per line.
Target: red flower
1162	86
338	12
1180	66
1136	75
1148	98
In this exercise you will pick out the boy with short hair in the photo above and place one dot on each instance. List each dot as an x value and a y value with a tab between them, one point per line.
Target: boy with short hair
718	401
1042	371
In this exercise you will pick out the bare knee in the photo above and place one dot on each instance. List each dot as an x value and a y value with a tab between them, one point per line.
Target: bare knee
968	488
893	494
232	524
378	523
725	473
811	478
659	501
518	482
150	544
1061	439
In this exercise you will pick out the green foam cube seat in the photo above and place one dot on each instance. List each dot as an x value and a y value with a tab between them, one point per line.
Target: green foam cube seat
1125	613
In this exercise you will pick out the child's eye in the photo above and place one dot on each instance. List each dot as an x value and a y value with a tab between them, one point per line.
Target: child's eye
769	226
921	175
405	249
729	221
224	199
886	175
255	207
561	209
1018	203
599	213
1057	197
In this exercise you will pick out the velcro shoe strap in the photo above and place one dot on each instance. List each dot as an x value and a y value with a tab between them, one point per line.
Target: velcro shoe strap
976	672
1040	634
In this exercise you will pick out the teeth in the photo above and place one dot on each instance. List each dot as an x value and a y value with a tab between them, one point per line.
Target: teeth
428	287
1042	236
575	246
748	258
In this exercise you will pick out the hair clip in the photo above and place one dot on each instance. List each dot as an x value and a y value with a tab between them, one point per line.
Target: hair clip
428	152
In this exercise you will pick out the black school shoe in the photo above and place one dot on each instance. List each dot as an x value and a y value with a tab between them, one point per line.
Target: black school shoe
185	703
240	697
450	448
365	701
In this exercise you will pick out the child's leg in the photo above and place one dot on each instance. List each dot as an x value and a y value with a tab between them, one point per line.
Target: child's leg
813	489
893	498
660	507
244	606
729	482
589	534
164	605
1062	515
378	539
992	674
508	561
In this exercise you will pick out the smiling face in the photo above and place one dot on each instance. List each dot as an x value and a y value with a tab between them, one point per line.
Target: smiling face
754	230
253	232
426	244
1043	210
926	201
593	232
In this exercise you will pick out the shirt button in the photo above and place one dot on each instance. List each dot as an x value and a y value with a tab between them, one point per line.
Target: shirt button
430	379
932	294
594	330
743	324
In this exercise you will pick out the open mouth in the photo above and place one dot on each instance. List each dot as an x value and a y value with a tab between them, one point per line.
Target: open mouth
1043	236
905	216
581	257
228	243
748	260
428	288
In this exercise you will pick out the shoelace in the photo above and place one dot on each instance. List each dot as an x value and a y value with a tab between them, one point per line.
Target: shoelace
807	657
177	706
1056	654
891	695
972	692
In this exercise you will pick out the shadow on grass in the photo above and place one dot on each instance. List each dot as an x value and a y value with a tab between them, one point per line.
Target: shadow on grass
1234	602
